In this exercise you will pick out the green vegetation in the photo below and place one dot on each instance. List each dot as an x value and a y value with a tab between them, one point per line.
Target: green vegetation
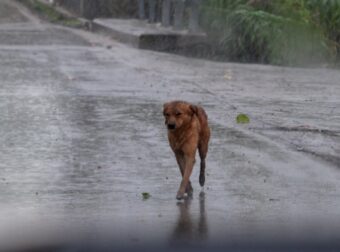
50	14
242	118
146	195
283	32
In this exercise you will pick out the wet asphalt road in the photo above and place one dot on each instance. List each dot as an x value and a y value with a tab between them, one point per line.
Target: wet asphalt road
82	136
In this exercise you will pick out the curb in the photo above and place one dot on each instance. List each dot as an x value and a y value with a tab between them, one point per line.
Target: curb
136	33
158	42
142	35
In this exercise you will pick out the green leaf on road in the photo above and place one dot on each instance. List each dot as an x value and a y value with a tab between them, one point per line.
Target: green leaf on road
146	195
242	118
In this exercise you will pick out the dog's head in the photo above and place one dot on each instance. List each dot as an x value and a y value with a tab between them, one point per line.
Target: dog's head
178	113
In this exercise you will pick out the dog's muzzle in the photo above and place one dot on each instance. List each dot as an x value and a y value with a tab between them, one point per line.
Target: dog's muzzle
171	126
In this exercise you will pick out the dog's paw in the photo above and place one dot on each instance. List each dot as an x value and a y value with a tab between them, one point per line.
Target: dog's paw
202	179
180	196
189	190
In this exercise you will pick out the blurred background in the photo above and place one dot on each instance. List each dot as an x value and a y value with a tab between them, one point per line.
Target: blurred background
283	32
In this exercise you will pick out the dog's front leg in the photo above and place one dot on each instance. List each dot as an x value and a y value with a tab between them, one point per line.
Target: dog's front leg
180	162
189	164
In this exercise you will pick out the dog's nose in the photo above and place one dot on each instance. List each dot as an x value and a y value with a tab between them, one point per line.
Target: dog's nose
171	126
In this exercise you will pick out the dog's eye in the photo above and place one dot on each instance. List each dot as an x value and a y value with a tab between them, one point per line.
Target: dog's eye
178	113
167	114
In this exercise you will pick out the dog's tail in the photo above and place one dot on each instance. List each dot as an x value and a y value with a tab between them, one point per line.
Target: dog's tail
204	140
202	173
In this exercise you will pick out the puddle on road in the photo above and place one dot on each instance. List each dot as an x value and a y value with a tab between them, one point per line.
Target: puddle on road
85	160
187	229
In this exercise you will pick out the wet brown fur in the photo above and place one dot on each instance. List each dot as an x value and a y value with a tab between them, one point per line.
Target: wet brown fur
188	131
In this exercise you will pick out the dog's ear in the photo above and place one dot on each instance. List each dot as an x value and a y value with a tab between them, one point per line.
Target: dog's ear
165	105
194	109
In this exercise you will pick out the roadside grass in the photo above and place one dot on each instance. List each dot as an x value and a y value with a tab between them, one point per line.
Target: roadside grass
292	32
48	13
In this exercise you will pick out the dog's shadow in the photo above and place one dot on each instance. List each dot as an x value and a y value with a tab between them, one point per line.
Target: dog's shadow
190	229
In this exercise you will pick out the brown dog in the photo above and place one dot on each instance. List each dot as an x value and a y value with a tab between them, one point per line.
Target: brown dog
188	131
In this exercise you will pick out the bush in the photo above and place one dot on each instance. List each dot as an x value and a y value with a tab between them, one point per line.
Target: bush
290	32
326	14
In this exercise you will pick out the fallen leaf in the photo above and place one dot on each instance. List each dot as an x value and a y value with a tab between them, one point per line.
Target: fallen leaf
228	75
242	118
146	195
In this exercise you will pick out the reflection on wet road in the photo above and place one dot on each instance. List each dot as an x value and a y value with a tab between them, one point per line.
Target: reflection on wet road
189	229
